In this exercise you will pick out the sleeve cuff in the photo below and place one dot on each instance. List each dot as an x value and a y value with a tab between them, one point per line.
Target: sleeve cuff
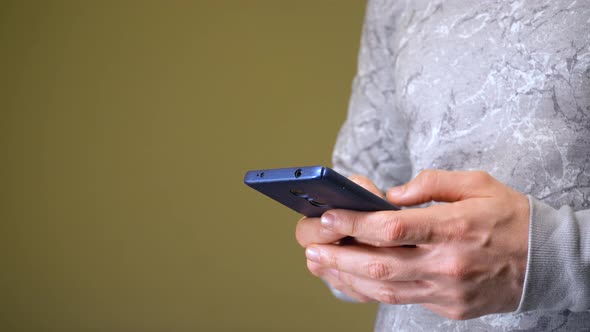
558	275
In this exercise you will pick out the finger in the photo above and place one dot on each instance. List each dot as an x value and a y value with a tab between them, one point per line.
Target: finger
442	186
384	264
366	183
402	292
310	230
393	228
330	277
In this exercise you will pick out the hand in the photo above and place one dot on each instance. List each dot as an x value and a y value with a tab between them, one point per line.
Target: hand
310	231
468	257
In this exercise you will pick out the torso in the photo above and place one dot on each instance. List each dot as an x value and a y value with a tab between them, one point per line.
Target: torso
502	86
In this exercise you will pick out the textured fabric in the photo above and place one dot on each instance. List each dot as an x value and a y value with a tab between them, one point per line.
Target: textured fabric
501	86
559	259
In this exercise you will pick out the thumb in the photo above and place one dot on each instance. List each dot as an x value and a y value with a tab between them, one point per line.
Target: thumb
442	186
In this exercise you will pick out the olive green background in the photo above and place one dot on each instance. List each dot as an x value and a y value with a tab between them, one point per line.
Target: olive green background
125	131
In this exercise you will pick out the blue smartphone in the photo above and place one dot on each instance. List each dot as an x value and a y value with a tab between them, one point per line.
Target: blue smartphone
312	190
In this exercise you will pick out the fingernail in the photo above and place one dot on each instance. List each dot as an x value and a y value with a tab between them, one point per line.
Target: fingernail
334	272
327	220
313	254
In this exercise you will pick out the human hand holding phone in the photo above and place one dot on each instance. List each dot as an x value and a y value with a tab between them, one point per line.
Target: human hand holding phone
310	231
313	190
462	259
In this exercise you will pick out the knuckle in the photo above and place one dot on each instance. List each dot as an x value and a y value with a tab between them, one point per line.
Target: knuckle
460	230
458	270
379	271
464	223
354	227
394	229
332	261
480	178
428	177
388	296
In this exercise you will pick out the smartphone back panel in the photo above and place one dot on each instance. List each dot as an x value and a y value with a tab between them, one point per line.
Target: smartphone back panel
312	190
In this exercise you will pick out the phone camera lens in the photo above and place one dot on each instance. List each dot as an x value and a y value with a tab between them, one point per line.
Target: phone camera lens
298	173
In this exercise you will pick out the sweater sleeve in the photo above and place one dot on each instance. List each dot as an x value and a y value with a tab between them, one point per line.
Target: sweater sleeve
558	267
